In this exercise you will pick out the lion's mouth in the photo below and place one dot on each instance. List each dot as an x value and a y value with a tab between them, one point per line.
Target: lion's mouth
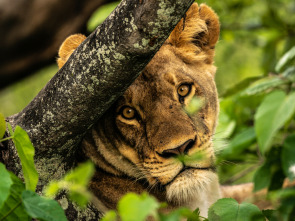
186	171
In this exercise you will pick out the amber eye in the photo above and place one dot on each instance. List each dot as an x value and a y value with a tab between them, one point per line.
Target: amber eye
183	90
128	113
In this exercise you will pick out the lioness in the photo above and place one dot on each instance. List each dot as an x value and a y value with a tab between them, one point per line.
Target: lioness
136	143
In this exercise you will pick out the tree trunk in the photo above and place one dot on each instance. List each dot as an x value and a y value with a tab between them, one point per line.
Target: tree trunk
31	32
96	74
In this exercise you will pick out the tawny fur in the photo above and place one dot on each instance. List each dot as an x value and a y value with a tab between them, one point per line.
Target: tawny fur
129	152
68	47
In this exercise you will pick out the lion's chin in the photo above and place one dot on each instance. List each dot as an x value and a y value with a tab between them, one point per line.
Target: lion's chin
193	185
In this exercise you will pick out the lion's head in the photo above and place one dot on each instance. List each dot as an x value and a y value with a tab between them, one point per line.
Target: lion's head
143	134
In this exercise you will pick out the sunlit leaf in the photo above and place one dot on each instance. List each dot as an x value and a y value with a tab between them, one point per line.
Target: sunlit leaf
13	209
133	207
81	174
226	125
194	106
275	110
26	154
288	157
287	57
110	216
52	189
2	126
75	182
42	208
5	184
227	209
187	159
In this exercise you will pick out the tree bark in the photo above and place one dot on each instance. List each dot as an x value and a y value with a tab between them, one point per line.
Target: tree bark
31	32
96	74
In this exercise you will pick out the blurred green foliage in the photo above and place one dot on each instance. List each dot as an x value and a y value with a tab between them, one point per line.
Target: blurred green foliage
15	97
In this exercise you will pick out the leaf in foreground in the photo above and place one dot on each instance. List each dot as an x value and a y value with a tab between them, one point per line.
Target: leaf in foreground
288	157
75	182
13	209
133	207
2	126
180	213
5	184
275	110
110	216
42	208
229	209
26	154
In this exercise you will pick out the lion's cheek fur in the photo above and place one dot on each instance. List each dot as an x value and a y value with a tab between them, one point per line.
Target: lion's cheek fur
194	189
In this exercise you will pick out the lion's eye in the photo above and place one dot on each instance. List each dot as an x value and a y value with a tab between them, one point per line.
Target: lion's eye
184	90
128	113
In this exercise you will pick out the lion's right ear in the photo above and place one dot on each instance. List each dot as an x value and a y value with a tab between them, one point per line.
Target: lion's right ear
196	34
68	47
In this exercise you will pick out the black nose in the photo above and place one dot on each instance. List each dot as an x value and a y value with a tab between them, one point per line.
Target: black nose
182	149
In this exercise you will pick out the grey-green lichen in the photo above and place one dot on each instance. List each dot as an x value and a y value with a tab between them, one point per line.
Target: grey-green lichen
85	213
64	203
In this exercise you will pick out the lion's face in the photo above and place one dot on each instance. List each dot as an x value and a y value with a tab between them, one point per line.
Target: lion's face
155	129
146	132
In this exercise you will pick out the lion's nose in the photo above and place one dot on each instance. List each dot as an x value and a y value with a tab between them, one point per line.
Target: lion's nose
182	149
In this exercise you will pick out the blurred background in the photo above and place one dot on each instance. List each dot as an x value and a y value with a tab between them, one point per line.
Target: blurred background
254	36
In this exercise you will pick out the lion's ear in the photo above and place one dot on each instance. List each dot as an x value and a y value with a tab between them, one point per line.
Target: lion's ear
68	47
197	33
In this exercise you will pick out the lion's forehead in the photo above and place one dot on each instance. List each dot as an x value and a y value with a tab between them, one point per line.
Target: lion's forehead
165	72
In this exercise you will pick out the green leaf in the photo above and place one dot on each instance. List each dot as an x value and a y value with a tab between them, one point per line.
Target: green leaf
26	154
275	110
133	207
289	73
110	216
79	179
194	105
270	174
230	210
180	213
240	142
288	157
81	174
262	85
287	57
269	214
262	177
42	208
5	184
239	86
13	209
75	182
2	126
226	125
